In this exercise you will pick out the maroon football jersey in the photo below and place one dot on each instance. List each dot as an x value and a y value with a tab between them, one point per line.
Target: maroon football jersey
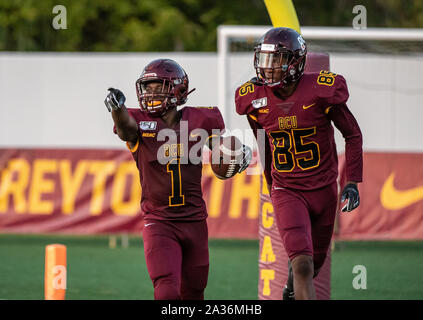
300	132
170	169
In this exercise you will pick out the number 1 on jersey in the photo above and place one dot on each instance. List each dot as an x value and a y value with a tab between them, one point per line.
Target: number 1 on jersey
174	168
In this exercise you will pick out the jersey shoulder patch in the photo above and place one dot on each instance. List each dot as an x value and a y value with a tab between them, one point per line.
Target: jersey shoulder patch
135	113
147	125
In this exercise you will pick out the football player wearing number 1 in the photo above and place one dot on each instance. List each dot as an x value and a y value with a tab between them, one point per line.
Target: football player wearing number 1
296	110
175	231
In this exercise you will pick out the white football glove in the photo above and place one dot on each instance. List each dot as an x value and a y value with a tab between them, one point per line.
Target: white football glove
247	156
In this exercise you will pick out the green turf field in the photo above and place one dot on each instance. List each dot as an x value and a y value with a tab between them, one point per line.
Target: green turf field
97	272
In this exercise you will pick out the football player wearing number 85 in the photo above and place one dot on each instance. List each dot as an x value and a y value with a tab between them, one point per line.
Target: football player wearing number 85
297	110
175	231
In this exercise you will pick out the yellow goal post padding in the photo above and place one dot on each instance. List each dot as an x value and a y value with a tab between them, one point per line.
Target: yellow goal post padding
282	14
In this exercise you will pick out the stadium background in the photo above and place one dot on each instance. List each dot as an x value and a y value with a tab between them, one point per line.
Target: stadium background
64	171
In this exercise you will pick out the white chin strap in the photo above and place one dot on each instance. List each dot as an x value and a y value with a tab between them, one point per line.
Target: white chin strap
268	83
271	84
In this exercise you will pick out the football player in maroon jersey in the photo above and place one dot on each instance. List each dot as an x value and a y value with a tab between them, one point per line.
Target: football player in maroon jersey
175	232
296	110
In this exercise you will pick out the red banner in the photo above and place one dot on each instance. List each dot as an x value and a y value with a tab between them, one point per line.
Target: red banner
85	191
391	199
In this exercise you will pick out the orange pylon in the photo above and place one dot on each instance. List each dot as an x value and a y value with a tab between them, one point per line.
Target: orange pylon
55	272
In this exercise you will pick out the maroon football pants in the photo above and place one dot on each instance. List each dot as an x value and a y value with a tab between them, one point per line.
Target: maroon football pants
177	258
305	221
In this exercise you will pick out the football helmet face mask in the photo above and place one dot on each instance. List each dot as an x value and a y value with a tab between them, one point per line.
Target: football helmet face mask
280	57
172	92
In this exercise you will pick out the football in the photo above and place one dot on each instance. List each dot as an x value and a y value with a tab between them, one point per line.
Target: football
226	157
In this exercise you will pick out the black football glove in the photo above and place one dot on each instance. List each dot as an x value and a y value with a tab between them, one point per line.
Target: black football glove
350	193
114	100
247	156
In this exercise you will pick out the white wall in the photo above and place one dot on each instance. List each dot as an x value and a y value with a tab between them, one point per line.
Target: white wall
56	99
386	96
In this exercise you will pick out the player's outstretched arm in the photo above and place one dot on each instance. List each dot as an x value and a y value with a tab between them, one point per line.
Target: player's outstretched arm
126	126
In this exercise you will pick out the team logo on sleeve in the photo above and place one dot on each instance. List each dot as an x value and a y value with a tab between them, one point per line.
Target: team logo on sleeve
148	125
259	103
326	78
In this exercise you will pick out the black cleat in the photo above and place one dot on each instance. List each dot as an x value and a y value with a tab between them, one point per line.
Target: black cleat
288	290
287	294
